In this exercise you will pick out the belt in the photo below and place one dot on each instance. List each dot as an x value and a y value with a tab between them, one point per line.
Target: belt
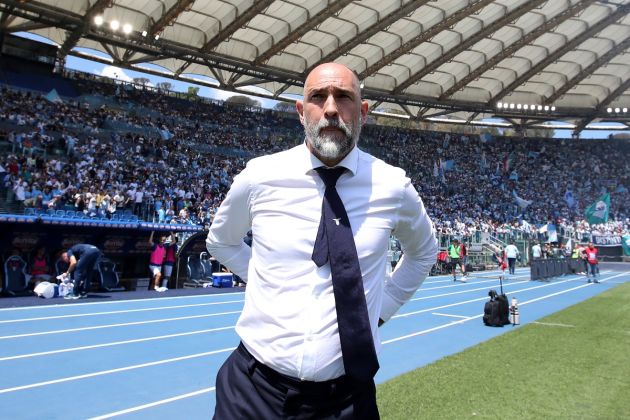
286	382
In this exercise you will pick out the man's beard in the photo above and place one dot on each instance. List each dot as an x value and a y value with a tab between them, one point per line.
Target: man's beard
332	145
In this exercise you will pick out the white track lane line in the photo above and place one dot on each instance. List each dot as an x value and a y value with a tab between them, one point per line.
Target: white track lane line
114	343
61	305
110	371
126	311
153	404
125	324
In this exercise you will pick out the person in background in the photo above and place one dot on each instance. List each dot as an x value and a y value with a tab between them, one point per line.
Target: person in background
511	253
156	259
169	260
455	254
536	251
82	260
317	287
39	267
592	268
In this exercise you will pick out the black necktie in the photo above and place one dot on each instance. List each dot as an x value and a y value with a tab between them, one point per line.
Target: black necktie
335	242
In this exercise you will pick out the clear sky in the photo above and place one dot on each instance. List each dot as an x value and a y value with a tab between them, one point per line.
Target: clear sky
114	72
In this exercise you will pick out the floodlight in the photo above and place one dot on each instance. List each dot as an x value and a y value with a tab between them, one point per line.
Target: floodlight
625	110
98	20
511	106
546	107
553	108
525	107
539	107
127	28
500	105
617	110
144	33
609	110
519	106
157	37
114	24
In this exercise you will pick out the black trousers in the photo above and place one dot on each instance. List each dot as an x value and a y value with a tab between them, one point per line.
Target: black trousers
247	389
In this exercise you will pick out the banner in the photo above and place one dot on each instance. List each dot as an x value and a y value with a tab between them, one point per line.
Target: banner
598	211
625	243
606	240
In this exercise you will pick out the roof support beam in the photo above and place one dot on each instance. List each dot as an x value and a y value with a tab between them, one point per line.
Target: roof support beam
256	8
600	62
74	36
371	31
511	49
603	104
425	36
469	42
301	30
620	13
166	19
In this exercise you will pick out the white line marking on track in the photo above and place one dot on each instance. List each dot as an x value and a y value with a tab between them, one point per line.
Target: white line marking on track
553	324
115	343
158	308
464	291
154	404
125	324
110	371
61	305
440	314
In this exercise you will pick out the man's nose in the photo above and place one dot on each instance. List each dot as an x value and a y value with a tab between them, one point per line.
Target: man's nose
330	107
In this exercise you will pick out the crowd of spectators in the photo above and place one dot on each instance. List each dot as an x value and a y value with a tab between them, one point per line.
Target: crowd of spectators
172	160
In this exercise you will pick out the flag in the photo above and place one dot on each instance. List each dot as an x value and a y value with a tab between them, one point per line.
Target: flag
483	163
625	243
449	165
53	96
569	245
621	189
552	233
543	228
598	211
514	175
485	137
522	203
507	162
436	172
568	197
532	154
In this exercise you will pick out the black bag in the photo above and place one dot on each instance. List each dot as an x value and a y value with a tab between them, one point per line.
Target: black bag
496	312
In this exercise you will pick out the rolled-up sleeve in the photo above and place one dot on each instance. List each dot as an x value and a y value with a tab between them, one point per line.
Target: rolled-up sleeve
416	234
229	227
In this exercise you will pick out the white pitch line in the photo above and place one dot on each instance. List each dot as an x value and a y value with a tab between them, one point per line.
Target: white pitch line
110	371
154	404
553	324
125	324
448	315
111	302
126	311
114	343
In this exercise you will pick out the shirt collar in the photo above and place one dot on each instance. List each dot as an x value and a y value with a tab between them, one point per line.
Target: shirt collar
350	162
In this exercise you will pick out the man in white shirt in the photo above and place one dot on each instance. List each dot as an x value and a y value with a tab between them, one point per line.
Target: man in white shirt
536	251
511	253
290	362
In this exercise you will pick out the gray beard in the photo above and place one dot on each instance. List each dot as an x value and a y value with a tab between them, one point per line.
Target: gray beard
332	145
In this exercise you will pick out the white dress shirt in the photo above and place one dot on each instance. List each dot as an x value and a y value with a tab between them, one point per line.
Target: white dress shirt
511	251
289	321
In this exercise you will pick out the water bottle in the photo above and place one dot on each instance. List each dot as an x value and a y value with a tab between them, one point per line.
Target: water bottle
516	318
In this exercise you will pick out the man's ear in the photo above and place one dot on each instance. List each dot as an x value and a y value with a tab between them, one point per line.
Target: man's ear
365	106
299	105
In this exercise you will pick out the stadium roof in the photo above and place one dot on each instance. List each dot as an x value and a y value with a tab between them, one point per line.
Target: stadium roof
454	59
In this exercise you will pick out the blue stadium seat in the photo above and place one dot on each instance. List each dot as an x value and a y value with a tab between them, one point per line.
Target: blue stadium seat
60	213
70	213
14	275
107	276
30	211
194	269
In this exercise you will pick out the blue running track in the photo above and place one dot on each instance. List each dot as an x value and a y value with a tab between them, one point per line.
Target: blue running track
158	358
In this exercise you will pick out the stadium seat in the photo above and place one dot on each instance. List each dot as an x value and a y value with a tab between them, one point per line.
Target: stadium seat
60	213
70	213
15	280
195	272
209	265
60	267
30	211
107	276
